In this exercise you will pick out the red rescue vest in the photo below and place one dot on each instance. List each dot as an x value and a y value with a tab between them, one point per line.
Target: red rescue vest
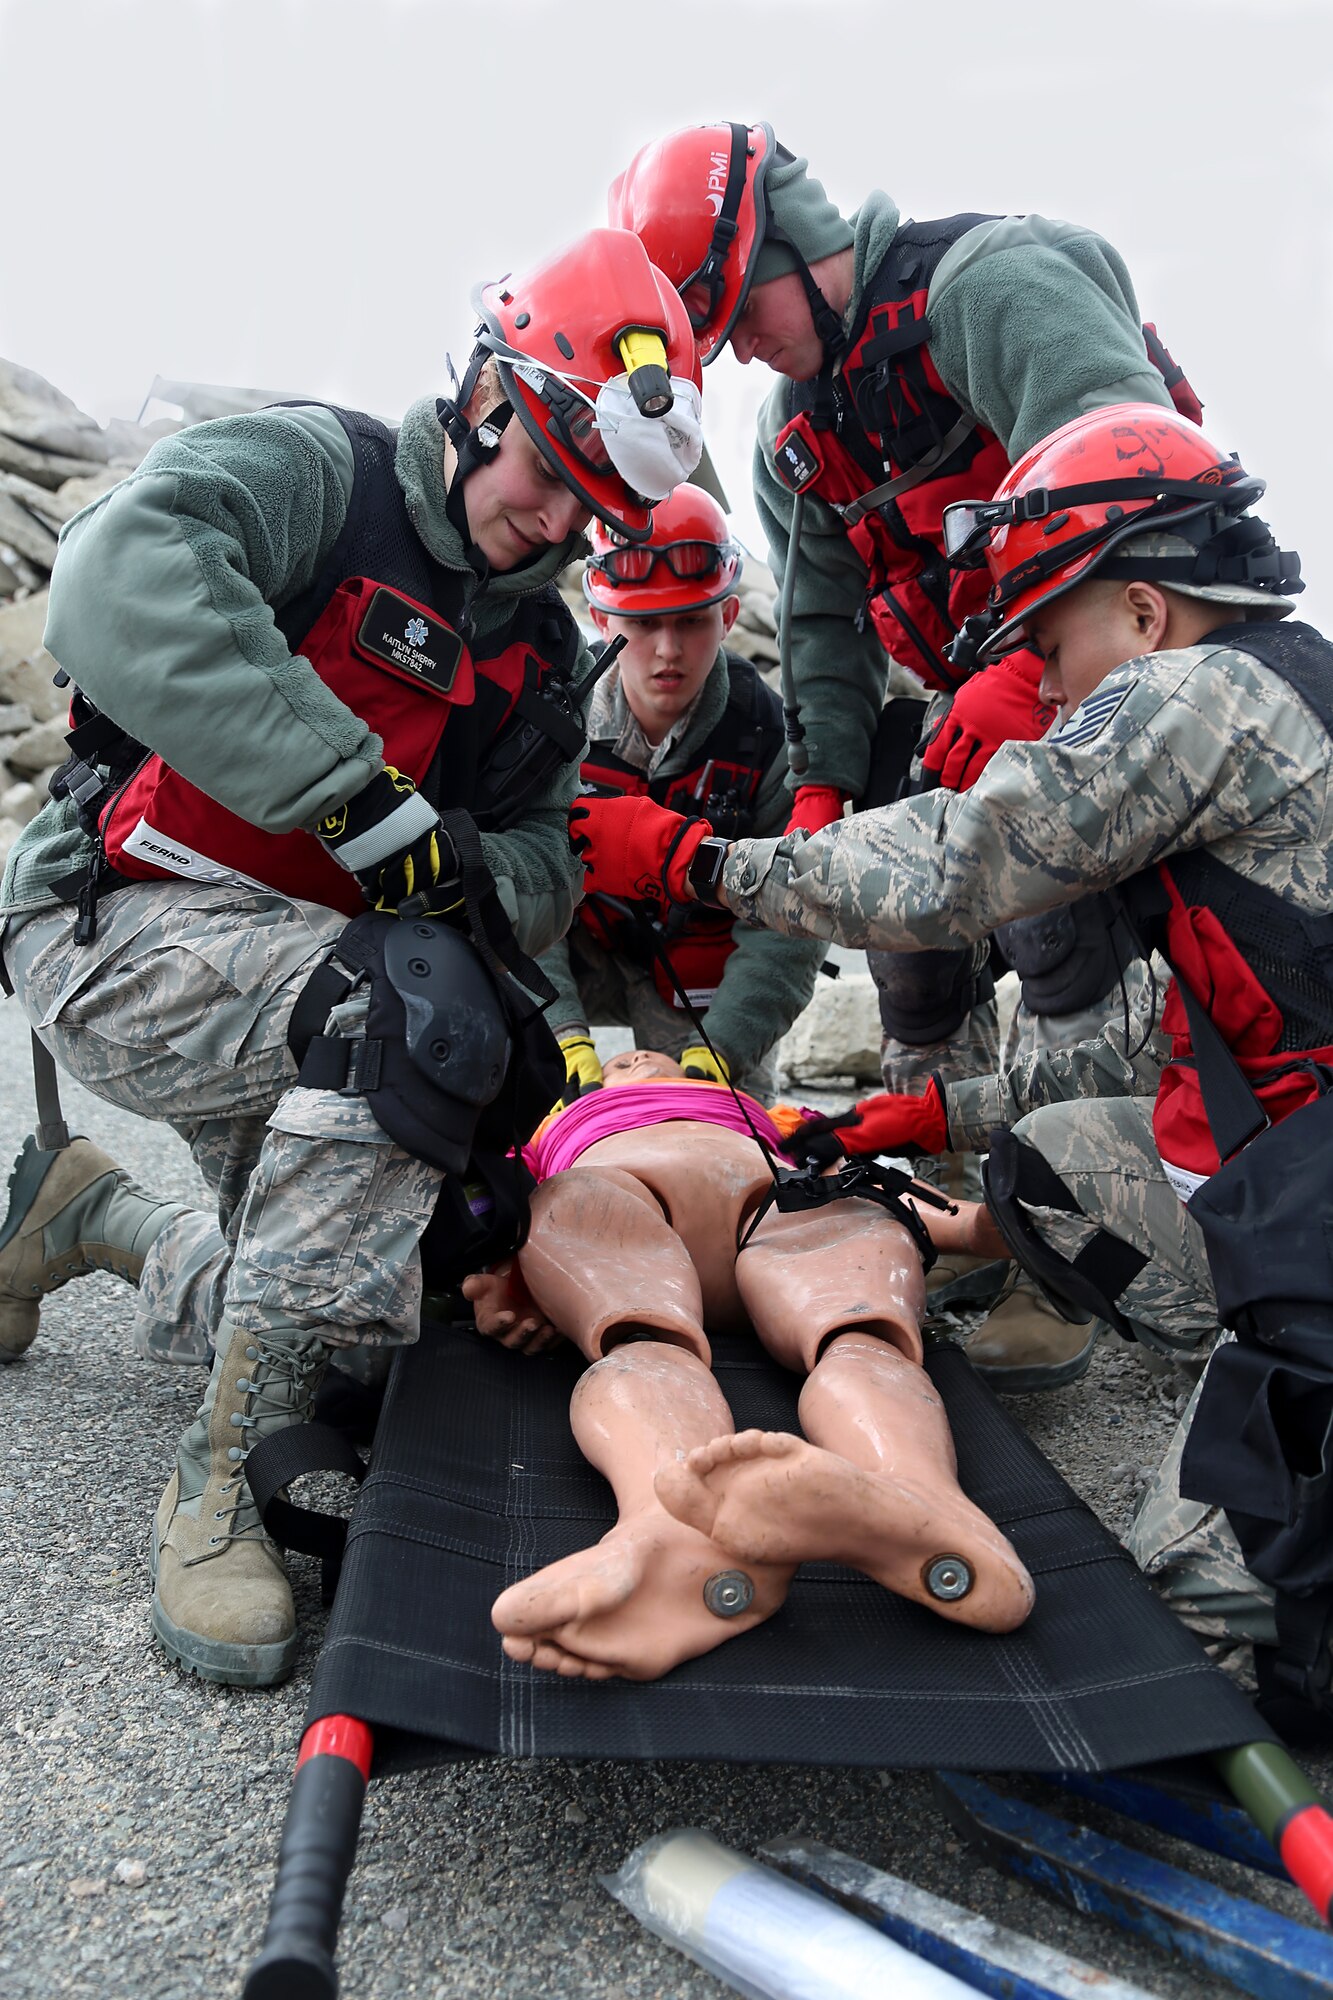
887	416
722	785
1261	966
392	644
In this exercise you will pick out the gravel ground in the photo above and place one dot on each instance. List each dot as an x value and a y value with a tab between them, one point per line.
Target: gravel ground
140	1809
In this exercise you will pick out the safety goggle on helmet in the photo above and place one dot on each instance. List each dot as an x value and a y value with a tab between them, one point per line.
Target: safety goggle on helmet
696	200
597	360
1111	476
690	563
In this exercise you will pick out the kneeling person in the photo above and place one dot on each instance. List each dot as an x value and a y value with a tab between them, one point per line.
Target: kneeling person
644	1196
692	726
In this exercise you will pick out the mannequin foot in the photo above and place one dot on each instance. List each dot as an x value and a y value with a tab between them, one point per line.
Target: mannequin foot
768	1497
635	1604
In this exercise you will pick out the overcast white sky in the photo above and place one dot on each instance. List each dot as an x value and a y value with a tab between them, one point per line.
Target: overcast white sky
300	194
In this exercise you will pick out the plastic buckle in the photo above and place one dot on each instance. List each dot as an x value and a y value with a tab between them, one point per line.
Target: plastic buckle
1033	506
364	1062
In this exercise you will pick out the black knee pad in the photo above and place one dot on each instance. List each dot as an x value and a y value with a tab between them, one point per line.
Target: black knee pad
1071	957
454	1057
925	996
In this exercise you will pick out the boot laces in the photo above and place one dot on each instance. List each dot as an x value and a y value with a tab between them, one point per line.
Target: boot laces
279	1387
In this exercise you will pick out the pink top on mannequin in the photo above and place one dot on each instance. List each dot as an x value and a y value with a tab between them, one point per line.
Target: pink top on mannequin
567	1136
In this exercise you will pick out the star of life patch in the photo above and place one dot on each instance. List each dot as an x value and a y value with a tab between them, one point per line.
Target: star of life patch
1089	718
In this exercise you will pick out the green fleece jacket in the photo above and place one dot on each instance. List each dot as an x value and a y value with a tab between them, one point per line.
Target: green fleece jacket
768	979
1032	322
162	611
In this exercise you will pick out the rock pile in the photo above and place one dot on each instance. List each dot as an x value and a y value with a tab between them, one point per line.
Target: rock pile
54	459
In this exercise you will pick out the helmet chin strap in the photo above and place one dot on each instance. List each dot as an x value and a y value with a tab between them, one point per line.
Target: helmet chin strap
477	445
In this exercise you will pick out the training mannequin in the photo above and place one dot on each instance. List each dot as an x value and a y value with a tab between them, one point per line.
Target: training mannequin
630	1252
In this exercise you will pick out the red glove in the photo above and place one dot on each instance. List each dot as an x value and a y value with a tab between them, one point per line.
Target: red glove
634	848
1001	704
813	807
895	1122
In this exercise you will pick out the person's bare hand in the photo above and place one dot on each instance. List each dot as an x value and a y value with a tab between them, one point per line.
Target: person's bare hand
506	1311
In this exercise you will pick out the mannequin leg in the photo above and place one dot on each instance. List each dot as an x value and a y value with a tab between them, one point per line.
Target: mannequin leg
876	1488
807	1276
970	1231
638	1603
603	1264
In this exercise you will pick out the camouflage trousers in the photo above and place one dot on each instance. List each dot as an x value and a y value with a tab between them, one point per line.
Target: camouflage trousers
178	1011
1103	1150
616	990
1028	1033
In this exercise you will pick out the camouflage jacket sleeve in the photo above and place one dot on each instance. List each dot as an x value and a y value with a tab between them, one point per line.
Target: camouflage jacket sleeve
839	671
1032	322
218	523
768	979
1107	1066
1201	747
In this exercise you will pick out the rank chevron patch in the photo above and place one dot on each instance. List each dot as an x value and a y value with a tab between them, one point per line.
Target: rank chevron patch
1089	718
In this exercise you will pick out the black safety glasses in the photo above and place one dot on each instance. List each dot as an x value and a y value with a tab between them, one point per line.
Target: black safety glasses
685	560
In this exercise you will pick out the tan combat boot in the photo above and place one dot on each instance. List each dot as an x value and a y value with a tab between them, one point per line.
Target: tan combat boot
221	1602
1023	1345
70	1212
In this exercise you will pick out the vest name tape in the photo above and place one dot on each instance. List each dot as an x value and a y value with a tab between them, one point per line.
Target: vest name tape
396	631
1089	718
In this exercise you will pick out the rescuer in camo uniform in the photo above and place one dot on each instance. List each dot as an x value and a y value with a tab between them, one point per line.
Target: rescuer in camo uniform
919	359
323	669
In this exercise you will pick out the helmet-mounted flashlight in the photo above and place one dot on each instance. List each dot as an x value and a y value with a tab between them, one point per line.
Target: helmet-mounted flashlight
645	357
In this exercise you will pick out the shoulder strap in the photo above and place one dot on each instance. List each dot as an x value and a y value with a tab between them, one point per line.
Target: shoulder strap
857	510
1235	1115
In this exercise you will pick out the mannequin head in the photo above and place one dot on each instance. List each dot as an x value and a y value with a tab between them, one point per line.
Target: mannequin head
641	1066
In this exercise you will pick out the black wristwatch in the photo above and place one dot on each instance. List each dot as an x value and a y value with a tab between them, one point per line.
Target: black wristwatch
705	869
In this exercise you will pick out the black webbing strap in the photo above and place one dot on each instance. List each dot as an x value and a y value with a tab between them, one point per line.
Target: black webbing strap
1297	1674
52	1131
1080	1288
1107	1262
289	1454
488	926
713	269
797	1190
925	468
1235	1115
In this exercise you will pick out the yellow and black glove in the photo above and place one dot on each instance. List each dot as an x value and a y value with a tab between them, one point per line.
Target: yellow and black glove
391	839
705	1063
583	1072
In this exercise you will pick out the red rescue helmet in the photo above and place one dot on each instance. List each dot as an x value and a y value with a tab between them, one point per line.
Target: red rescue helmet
696	199
1133	478
591	316
690	562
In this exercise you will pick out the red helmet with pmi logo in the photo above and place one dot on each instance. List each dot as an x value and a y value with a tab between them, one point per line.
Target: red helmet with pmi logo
1128	473
696	199
690	562
562	332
